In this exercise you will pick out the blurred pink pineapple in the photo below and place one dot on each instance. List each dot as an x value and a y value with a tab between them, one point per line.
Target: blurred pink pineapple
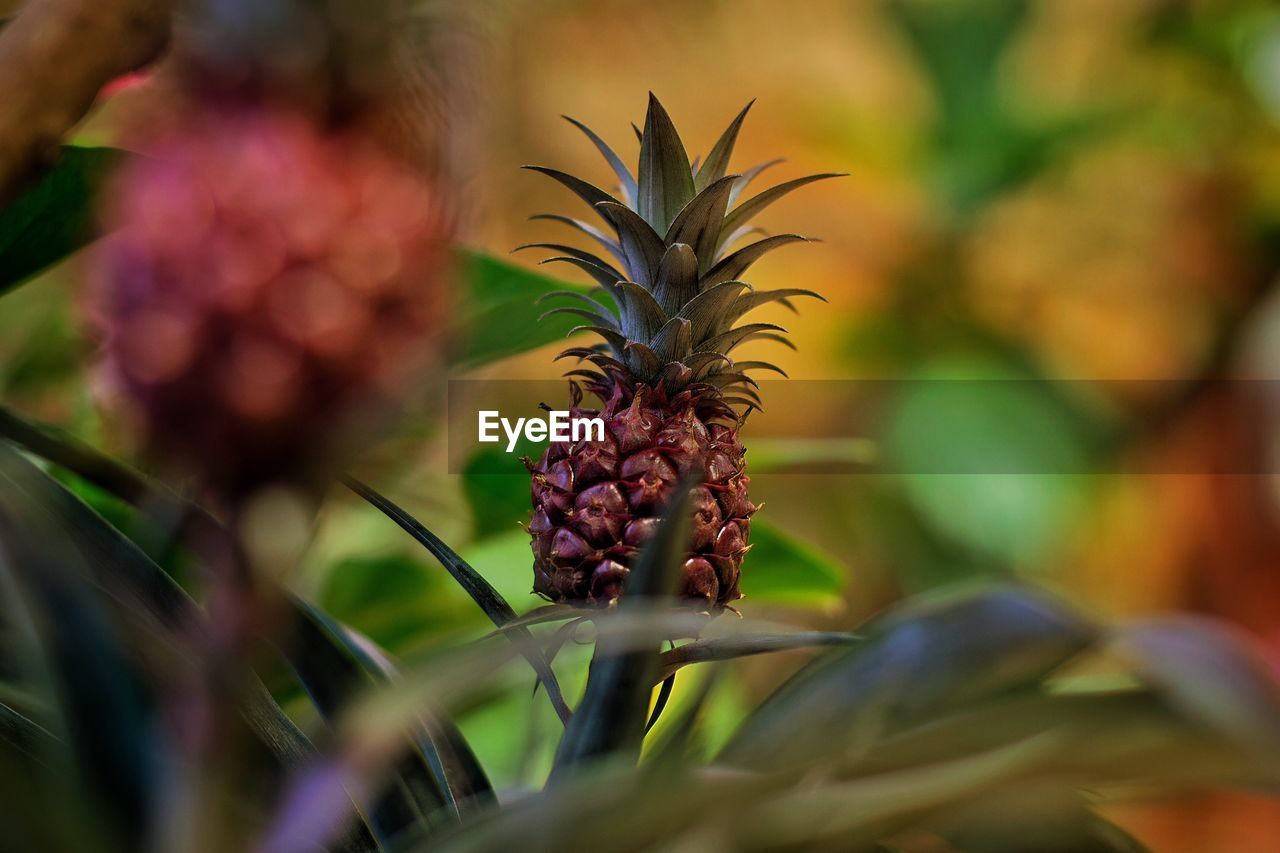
267	291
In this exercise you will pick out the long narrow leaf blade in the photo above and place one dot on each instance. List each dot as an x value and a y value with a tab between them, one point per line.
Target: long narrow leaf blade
625	179
919	660
140	588
438	776
730	648
134	585
717	162
480	590
97	691
611	719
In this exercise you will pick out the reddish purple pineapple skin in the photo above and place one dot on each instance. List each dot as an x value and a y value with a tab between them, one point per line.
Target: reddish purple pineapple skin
596	503
269	285
671	275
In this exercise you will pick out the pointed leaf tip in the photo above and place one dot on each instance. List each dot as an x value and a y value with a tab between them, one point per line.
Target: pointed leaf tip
665	183
480	590
620	170
589	193
717	162
744	212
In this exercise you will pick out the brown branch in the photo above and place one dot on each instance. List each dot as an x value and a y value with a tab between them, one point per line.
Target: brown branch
55	57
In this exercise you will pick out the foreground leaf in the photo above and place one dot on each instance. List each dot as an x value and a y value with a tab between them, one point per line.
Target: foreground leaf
480	590
437	780
611	718
158	611
1112	738
21	734
113	477
1212	674
920	659
730	648
141	591
850	815
100	706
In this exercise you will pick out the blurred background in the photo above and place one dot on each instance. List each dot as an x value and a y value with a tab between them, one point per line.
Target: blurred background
1060	190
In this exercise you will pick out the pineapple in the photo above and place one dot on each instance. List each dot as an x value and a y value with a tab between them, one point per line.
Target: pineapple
673	397
268	285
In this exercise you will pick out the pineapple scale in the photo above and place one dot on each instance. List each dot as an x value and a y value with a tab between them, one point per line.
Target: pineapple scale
597	503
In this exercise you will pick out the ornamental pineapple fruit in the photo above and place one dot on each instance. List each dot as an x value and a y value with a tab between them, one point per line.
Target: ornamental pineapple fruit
268	286
671	393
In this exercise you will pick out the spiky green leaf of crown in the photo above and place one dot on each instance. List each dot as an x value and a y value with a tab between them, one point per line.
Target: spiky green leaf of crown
673	272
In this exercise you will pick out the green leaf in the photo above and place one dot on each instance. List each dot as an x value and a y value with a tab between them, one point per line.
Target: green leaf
677	744
141	591
44	344
480	590
782	568
102	717
437	779
610	720
732	647
499	312
396	599
717	163
980	147
930	655
665	178
660	703
55	217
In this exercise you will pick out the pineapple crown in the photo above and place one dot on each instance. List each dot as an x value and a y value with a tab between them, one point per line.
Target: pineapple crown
674	279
